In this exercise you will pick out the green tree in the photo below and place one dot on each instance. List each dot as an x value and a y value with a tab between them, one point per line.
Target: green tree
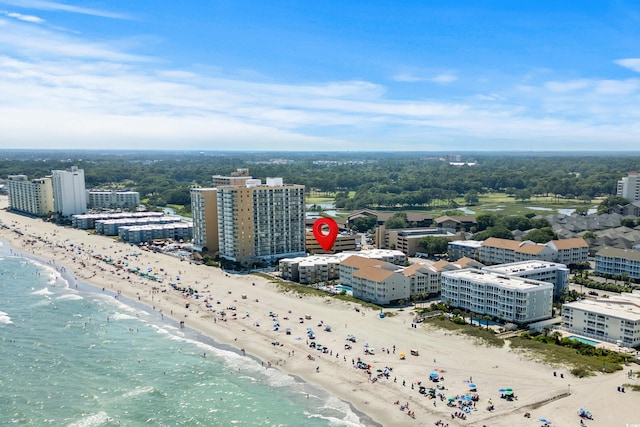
610	202
522	195
432	245
364	224
542	235
627	222
398	220
471	197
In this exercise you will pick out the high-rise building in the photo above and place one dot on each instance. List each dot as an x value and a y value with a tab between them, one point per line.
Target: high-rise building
204	210
261	222
34	197
69	194
239	177
629	187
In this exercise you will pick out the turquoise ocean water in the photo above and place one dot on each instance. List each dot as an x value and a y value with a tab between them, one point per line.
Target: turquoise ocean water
79	357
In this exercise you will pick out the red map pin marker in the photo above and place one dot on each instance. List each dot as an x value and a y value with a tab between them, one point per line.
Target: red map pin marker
325	240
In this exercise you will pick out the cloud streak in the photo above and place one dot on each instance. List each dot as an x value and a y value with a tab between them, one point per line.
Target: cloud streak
66	90
63	7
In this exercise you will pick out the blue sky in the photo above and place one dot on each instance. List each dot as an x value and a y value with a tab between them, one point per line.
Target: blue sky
324	75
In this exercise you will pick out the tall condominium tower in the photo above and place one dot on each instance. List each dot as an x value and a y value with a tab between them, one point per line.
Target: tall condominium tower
261	222
204	210
69	194
34	197
629	187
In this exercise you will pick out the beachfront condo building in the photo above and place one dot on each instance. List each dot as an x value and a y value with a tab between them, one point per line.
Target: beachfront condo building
261	222
550	272
342	243
615	319
374	280
618	262
629	187
564	251
323	267
177	231
112	199
509	298
69	193
34	196
204	210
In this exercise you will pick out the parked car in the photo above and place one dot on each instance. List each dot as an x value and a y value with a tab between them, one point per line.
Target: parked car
594	293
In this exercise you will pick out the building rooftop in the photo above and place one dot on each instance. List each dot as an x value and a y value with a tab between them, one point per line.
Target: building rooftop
490	278
373	273
628	254
622	307
521	266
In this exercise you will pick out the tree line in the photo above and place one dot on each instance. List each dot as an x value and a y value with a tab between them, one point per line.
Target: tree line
357	180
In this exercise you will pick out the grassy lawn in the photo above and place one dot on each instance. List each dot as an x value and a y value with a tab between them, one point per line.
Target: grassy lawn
582	365
318	200
482	335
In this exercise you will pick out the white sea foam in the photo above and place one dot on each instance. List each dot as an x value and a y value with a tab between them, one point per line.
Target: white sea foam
121	316
5	319
92	420
138	391
44	291
70	297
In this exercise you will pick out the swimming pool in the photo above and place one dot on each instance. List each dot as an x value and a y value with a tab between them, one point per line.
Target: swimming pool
584	340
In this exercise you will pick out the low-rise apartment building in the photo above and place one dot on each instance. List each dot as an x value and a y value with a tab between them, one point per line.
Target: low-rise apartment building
320	268
618	262
543	271
564	251
147	233
457	249
615	319
374	280
508	298
112	199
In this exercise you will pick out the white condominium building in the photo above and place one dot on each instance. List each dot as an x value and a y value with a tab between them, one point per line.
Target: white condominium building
261	221
615	319
618	262
550	272
69	193
629	187
34	197
112	199
509	298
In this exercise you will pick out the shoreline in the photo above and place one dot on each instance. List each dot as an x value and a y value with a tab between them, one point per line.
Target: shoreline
193	333
458	358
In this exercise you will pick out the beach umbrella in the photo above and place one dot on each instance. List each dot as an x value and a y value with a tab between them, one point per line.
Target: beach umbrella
508	389
545	421
451	399
508	393
502	390
466	397
472	385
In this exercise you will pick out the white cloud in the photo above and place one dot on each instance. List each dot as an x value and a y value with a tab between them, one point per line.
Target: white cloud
26	18
442	78
630	63
57	6
567	86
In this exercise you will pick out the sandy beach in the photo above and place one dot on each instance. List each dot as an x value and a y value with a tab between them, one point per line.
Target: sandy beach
241	310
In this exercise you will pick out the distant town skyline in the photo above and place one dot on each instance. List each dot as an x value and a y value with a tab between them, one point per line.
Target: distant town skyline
320	76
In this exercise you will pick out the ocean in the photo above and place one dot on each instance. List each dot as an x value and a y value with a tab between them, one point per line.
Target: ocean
79	357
